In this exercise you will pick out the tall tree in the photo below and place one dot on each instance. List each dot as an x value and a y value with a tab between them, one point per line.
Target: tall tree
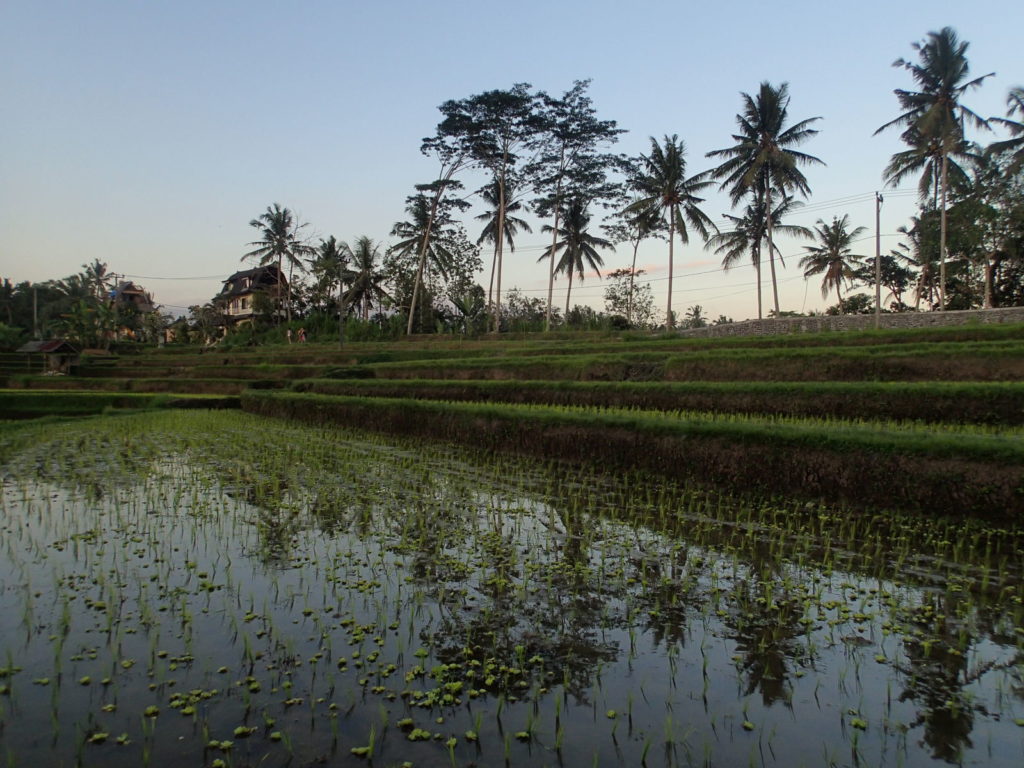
98	279
933	116
663	186
496	128
280	242
330	273
452	150
749	232
925	158
920	251
426	232
577	246
329	267
763	162
832	257
444	254
1014	145
491	195
570	163
633	227
367	282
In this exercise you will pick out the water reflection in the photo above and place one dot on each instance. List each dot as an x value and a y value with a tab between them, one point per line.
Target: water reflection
480	583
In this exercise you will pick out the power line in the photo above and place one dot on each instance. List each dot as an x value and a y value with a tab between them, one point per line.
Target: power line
200	277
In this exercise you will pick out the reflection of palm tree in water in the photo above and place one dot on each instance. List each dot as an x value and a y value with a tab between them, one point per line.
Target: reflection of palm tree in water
937	674
764	620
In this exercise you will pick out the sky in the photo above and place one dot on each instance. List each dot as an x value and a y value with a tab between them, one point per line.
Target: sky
148	134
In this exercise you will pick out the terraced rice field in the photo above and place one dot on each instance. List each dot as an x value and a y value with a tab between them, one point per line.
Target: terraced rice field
792	551
200	588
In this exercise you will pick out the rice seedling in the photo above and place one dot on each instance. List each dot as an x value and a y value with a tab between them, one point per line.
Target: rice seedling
269	579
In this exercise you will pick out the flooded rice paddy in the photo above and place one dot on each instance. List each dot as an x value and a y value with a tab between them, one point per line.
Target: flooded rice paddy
215	589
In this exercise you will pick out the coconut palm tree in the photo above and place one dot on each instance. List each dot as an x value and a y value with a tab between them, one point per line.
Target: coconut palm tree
1014	145
491	195
98	279
663	186
925	158
934	116
576	244
330	267
763	162
832	256
919	252
331	272
366	285
749	232
279	242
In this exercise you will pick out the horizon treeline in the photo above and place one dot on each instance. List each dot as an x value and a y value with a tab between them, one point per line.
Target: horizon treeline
520	151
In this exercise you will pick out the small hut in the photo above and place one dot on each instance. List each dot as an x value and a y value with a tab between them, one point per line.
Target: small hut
53	357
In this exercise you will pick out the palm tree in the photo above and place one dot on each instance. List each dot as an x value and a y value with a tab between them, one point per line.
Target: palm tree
832	256
925	157
748	233
330	269
919	252
279	241
7	296
763	160
97	279
427	235
366	286
579	245
1015	145
664	187
491	195
934	116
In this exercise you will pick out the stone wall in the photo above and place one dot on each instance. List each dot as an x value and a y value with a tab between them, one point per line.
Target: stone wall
782	325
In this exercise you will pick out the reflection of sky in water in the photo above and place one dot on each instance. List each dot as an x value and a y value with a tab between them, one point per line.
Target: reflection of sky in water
541	603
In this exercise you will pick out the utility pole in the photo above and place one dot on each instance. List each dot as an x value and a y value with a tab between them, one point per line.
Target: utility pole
878	260
35	313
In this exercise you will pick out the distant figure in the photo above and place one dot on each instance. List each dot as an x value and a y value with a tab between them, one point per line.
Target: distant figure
288	335
302	335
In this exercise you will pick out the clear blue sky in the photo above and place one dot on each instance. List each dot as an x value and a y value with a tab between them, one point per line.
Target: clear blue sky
148	134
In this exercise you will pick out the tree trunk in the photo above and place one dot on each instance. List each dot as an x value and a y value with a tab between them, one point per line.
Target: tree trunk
988	282
490	286
771	250
341	315
568	293
554	239
632	278
669	323
423	258
500	240
942	239
280	274
757	275
288	306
